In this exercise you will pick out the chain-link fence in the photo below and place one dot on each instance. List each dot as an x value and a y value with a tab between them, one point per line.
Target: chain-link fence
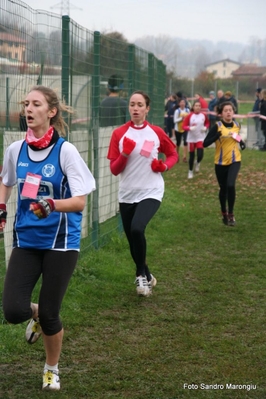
37	47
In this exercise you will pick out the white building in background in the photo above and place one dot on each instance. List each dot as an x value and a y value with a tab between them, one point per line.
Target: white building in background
12	47
223	69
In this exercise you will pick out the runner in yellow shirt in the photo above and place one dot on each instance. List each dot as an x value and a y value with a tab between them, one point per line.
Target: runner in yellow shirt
227	159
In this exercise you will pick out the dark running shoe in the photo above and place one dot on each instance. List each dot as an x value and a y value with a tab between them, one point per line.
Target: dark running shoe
225	218
231	220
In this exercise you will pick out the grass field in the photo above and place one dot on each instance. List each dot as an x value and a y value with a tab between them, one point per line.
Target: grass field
243	109
204	324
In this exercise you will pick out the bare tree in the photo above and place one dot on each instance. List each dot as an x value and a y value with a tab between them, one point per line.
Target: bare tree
163	47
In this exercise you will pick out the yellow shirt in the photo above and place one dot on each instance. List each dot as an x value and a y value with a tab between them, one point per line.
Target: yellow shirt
180	113
227	148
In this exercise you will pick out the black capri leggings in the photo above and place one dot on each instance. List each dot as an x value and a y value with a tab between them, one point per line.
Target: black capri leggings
135	218
24	270
179	136
226	177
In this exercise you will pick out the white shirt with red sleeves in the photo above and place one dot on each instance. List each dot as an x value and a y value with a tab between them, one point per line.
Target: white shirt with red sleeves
137	180
199	121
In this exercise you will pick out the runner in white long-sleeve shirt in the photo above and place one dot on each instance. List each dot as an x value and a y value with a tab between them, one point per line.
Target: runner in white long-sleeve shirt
133	154
196	123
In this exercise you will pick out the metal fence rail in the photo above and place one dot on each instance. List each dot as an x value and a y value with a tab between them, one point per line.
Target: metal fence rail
37	47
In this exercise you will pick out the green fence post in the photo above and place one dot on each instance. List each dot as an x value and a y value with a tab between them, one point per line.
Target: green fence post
39	80
131	69
95	135
7	105
65	74
161	87
151	85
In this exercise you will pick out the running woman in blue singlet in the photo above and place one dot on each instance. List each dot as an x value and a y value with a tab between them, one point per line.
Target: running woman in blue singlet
53	182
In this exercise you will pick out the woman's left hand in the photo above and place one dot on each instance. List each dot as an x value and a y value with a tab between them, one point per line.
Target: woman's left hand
157	165
42	208
242	145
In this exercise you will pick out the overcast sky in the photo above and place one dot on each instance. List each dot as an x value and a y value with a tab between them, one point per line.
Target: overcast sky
229	20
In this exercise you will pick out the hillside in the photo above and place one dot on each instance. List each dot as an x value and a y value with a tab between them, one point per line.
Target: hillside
189	57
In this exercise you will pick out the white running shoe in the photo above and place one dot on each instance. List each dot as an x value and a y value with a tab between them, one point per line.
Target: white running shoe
143	288
190	174
33	331
152	283
197	167
50	381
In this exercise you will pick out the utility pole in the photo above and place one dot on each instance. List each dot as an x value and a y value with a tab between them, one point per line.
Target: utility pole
65	7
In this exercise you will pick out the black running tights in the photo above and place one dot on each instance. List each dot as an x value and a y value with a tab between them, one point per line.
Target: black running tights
135	218
24	270
226	176
200	154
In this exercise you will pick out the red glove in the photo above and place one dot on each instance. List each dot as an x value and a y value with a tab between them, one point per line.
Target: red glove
42	208
3	213
128	145
157	165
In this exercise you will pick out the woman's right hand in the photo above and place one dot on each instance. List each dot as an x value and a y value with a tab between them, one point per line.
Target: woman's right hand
128	146
3	216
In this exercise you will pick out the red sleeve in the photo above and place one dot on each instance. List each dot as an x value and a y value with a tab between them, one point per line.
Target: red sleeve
118	165
113	151
167	147
117	161
186	122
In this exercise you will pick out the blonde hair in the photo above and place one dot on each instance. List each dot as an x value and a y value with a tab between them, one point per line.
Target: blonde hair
263	94
53	101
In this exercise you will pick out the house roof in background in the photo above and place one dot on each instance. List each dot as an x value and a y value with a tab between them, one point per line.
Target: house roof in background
225	59
8	37
250	70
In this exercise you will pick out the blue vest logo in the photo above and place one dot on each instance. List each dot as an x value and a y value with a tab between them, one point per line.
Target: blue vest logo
48	170
25	164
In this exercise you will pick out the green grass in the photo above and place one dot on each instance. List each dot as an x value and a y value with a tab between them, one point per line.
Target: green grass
244	109
204	324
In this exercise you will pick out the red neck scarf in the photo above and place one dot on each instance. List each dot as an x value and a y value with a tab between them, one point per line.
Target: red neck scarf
42	142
